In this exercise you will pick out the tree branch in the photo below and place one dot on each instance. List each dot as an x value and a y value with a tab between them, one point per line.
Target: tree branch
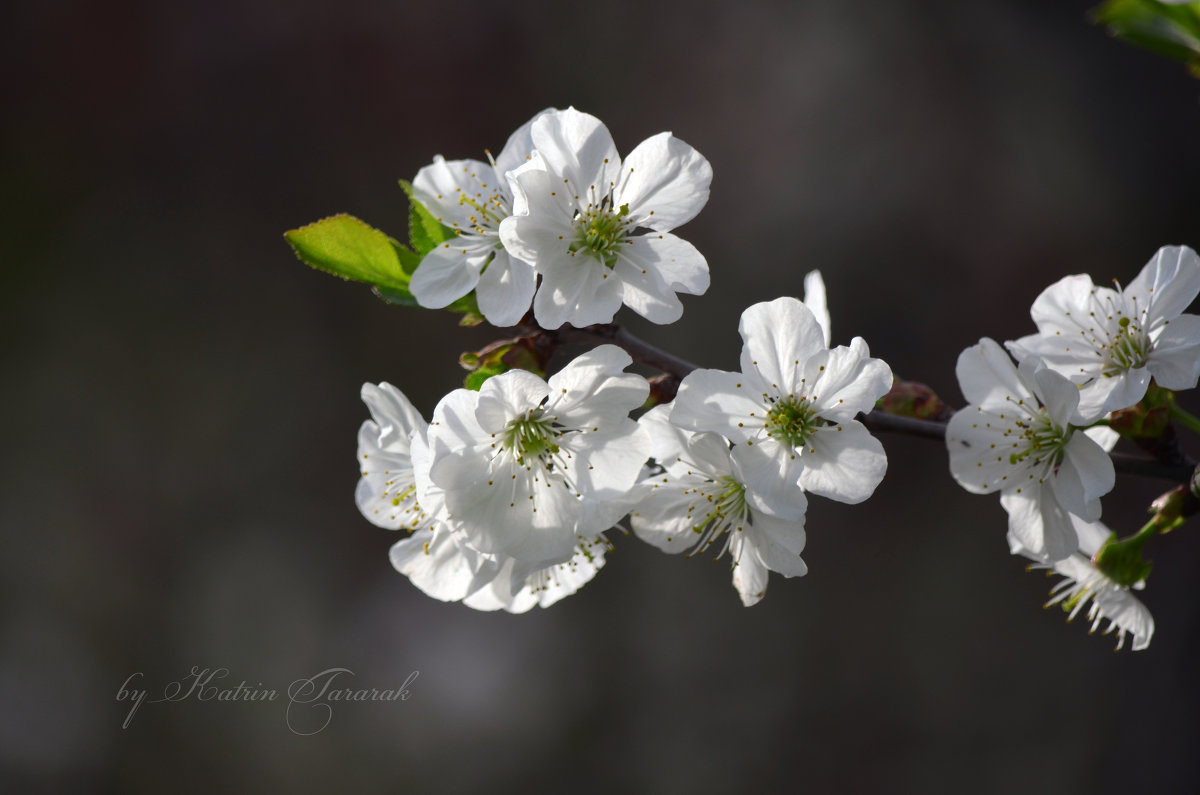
1178	470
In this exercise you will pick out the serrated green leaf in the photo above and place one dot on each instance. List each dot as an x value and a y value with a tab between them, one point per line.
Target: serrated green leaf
395	295
344	246
425	232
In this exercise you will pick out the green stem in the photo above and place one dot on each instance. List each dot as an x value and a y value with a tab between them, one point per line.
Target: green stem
1184	418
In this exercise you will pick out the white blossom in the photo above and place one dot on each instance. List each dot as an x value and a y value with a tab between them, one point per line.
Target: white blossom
394	493
598	228
473	198
701	496
1083	583
530	470
1112	342
1015	437
790	411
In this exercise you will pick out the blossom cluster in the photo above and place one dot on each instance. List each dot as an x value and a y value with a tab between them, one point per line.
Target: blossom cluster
508	491
1036	431
559	220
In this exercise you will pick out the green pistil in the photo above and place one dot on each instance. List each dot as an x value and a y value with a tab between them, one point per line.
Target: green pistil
530	436
1042	440
792	421
601	232
1127	350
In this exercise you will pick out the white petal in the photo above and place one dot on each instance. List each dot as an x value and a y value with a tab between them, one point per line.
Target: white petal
578	148
849	383
505	290
608	462
1175	359
1039	523
721	402
814	299
441	186
988	377
1104	436
593	389
1057	394
578	290
1062	306
449	272
1168	284
507	397
844	463
749	574
664	181
778	543
980	444
1106	394
519	146
644	292
677	262
438	565
772	474
1085	475
779	337
395	414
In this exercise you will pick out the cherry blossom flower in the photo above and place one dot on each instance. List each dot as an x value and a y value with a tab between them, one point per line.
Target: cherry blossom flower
1015	437
530	470
394	493
1112	342
790	411
598	228
701	496
474	197
1083	583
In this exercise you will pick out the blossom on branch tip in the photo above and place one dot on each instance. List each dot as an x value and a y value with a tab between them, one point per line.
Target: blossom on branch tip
531	468
473	198
1112	342
701	495
597	228
1015	437
790	411
1083	583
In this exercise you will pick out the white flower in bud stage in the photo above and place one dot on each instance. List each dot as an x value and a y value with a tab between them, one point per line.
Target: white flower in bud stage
394	493
473	197
532	469
1084	583
598	228
1015	437
1112	342
701	496
790	412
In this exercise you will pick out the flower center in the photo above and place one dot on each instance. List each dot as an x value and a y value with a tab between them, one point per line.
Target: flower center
727	509
1127	349
601	231
530	435
488	213
1042	439
792	420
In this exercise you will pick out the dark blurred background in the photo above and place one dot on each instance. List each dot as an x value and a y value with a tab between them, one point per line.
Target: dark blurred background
180	397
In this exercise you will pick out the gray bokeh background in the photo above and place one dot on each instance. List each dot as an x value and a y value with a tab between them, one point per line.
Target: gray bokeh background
180	396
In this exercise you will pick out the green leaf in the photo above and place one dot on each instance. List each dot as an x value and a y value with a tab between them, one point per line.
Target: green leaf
400	297
344	246
1169	30
425	232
